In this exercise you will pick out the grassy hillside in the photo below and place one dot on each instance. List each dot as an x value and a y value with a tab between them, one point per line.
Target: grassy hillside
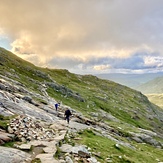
96	99
85	93
143	154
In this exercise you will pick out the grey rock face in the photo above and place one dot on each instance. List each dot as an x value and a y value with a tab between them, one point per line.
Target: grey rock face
65	91
11	155
145	137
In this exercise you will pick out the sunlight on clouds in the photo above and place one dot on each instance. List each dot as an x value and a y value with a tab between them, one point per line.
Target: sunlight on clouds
71	31
1	32
101	67
62	34
22	45
85	55
24	48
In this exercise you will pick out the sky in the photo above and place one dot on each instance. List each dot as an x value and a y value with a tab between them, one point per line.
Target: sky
85	36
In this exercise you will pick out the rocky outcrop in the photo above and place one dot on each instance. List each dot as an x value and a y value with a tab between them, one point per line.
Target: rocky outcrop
146	138
7	86
65	91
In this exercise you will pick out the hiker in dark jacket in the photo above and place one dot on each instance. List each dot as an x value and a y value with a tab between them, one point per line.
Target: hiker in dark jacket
56	106
67	115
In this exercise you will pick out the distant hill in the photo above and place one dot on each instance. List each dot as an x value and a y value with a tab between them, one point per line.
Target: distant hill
154	86
153	89
156	99
130	80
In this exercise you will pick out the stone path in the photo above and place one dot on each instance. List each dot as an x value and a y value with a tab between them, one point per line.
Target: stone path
24	127
50	148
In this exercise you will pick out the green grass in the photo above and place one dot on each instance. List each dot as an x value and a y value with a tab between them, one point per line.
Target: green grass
36	160
9	144
107	148
4	121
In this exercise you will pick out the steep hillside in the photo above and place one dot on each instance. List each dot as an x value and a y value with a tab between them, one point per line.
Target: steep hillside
110	108
87	93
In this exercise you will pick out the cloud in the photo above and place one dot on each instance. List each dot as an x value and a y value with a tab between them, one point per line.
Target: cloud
75	33
101	67
140	62
154	61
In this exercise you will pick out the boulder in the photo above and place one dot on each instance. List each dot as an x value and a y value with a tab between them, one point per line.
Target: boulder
25	146
68	159
50	149
5	137
47	158
79	150
11	155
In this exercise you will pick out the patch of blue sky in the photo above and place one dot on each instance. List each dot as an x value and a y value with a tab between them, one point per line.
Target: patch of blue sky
5	43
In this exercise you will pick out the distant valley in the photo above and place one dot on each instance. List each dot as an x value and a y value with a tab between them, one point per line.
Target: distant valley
130	80
153	89
149	84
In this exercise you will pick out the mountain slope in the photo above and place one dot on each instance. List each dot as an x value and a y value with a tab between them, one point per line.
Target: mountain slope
118	113
86	93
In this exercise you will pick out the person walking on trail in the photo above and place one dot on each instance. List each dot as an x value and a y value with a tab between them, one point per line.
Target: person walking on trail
56	106
67	115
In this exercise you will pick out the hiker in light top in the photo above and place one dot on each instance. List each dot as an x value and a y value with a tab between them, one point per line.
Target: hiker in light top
67	115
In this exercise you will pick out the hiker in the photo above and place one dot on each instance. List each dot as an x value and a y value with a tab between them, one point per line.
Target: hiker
56	106
67	115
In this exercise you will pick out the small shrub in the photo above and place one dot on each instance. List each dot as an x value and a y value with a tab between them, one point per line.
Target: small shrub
58	153
36	160
9	144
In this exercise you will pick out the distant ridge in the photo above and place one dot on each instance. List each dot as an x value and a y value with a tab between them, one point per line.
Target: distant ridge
130	80
154	86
